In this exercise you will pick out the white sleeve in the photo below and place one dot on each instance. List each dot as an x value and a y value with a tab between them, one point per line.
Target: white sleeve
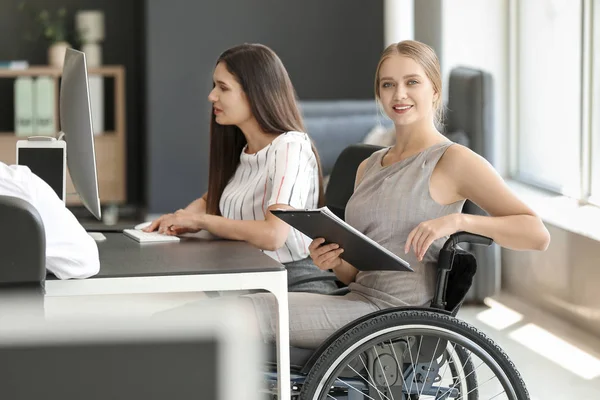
292	173
70	251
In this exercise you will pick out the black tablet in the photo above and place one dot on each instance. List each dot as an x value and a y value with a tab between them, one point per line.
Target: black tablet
362	252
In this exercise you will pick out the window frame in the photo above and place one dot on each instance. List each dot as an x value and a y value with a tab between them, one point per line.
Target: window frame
589	159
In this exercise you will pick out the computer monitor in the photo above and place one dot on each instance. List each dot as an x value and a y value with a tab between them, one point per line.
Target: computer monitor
76	129
200	356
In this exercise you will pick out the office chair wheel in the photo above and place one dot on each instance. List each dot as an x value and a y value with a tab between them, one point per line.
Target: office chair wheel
410	355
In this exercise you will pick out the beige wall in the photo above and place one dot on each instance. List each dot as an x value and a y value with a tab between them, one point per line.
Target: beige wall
564	280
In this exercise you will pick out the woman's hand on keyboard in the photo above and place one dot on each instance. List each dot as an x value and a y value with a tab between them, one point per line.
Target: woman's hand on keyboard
325	256
180	222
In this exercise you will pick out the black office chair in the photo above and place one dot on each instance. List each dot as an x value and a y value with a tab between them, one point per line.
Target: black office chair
469	120
339	190
341	182
22	256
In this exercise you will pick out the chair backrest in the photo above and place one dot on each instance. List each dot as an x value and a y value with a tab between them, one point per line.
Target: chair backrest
470	108
22	244
470	113
22	260
469	116
343	176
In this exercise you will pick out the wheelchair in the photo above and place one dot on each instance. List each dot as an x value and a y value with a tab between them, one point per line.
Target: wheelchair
410	353
404	353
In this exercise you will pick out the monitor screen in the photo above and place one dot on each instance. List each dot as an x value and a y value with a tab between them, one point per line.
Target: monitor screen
47	163
149	370
76	124
186	354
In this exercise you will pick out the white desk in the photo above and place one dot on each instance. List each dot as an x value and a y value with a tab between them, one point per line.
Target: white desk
193	265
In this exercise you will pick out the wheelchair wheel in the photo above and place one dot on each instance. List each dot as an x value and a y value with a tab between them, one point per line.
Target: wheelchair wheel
410	355
466	369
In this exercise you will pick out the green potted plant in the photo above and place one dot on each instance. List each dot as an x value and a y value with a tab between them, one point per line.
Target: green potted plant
52	27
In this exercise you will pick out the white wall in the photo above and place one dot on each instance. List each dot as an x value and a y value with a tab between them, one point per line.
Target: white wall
428	24
471	33
475	34
398	21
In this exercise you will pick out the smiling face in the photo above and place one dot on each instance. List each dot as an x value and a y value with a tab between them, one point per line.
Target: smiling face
406	93
230	104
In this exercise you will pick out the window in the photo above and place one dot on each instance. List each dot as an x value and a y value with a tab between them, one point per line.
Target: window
595	105
555	54
549	93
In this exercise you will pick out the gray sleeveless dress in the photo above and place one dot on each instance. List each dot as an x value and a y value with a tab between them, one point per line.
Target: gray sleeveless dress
387	205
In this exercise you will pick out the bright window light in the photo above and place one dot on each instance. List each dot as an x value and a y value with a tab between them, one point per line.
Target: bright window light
549	94
558	351
498	316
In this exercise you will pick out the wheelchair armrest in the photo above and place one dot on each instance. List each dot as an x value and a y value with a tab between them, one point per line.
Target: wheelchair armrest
466	237
463	277
446	255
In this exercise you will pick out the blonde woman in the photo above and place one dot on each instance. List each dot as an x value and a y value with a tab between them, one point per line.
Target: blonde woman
408	198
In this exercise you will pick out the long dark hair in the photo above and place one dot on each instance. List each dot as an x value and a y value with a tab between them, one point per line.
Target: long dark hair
272	99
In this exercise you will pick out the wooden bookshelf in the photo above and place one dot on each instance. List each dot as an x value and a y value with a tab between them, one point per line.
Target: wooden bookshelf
109	146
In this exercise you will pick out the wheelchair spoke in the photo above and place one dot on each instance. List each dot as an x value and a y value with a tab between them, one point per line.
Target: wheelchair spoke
370	377
478	386
364	363
469	359
413	365
446	366
372	385
429	369
456	383
475	388
350	386
462	366
383	372
398	363
492	398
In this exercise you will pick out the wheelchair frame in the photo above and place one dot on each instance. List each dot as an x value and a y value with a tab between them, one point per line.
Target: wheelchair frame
439	312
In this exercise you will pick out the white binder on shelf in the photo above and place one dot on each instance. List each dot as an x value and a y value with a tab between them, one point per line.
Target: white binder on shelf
24	102
44	118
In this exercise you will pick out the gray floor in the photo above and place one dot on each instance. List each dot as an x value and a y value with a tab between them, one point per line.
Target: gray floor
556	360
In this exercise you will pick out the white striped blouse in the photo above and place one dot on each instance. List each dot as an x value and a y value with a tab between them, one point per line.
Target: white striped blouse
284	172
